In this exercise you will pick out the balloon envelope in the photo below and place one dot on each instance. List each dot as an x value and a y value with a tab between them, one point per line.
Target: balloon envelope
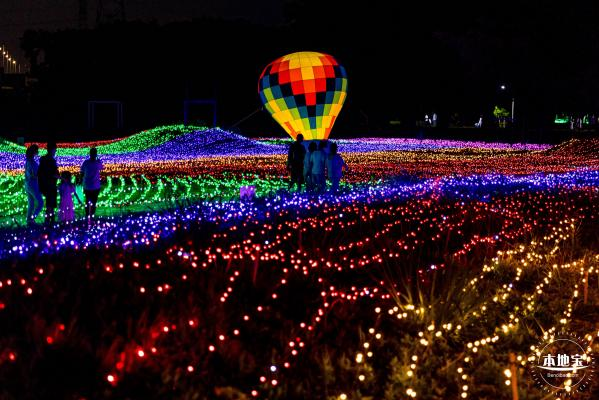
304	93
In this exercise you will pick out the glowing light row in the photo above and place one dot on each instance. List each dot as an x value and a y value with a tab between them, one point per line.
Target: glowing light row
431	333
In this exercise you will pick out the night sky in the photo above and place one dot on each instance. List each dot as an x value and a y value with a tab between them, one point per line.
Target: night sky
403	59
565	26
18	15
494	22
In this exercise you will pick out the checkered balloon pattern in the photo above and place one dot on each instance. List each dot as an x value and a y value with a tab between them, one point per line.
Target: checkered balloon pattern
304	93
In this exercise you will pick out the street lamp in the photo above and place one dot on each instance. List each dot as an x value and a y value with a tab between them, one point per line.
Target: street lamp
504	88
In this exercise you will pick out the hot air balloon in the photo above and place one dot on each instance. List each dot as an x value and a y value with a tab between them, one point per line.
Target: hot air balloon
304	93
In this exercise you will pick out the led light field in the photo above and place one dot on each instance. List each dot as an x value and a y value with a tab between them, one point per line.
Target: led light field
435	262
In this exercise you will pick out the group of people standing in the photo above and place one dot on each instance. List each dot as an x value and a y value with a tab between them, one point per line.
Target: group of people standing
313	165
42	180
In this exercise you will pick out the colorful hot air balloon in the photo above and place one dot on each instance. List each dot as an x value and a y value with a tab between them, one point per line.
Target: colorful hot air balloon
304	93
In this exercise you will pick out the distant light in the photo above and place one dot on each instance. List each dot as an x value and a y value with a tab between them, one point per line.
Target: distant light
502	87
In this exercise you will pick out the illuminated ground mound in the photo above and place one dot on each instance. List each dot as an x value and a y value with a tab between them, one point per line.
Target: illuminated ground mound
588	148
160	144
178	143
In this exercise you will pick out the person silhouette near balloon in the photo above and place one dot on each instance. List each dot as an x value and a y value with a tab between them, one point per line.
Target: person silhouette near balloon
312	147
295	162
318	161
335	167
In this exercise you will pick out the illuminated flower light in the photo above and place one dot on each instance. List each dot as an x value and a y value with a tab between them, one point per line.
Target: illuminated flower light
142	227
466	202
429	210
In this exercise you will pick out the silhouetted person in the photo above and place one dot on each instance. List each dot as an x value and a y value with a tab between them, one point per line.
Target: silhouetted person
47	178
308	166
318	161
34	197
90	170
335	166
67	191
295	162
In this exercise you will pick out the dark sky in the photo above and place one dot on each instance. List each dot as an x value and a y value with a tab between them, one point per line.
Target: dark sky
18	15
404	57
